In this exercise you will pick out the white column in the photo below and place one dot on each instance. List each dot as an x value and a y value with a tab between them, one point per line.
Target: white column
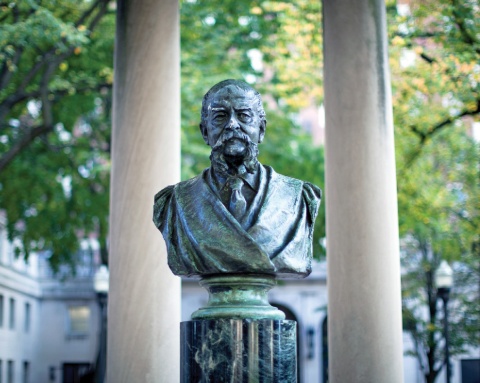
144	298
364	305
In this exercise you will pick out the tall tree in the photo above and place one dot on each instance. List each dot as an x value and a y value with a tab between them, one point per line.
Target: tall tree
434	59
55	80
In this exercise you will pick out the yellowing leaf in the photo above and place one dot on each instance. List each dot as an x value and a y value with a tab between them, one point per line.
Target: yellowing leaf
256	11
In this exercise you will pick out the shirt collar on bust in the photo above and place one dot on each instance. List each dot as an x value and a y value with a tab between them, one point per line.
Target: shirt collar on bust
250	179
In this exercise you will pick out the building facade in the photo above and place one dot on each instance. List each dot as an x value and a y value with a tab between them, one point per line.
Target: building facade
49	324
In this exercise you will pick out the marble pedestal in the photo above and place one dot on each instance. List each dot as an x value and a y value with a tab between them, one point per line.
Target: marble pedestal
238	351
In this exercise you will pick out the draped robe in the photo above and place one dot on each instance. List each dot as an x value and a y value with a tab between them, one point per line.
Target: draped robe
274	236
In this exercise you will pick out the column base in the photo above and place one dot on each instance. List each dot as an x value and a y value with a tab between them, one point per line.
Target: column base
238	350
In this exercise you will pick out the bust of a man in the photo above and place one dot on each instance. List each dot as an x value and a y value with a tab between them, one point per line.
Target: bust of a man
238	216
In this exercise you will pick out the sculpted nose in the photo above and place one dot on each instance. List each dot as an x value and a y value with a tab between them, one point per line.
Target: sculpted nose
233	123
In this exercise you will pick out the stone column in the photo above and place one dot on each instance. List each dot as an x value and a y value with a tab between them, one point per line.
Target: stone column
364	305
144	299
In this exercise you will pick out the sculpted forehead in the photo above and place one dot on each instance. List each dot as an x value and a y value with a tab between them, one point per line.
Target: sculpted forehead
232	95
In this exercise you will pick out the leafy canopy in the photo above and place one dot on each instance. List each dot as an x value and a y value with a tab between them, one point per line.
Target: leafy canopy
434	55
55	81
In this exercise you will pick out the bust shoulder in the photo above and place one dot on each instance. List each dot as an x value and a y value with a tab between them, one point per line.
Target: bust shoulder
163	197
311	189
161	200
310	193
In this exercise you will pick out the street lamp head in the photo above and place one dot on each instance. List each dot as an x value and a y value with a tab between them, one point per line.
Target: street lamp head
444	276
100	280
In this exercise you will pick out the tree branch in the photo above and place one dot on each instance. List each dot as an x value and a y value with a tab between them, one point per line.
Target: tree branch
51	147
89	11
419	350
22	143
19	97
467	37
442	124
430	60
5	73
51	59
50	55
32	133
427	58
428	134
44	95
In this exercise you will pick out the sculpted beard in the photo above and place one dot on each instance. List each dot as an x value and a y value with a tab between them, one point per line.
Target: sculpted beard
248	162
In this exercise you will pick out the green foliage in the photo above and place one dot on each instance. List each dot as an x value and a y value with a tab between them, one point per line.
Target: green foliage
287	37
55	80
435	78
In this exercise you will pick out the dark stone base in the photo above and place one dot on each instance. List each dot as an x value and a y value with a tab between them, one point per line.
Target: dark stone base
238	351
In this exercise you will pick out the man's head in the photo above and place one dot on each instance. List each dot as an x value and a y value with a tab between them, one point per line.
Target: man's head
233	123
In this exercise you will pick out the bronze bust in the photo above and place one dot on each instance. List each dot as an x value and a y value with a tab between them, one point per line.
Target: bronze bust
238	216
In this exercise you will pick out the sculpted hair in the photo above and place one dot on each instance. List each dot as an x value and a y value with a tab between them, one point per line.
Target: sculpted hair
240	85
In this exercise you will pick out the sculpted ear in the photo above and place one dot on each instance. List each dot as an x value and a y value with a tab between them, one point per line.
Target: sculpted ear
204	131
263	127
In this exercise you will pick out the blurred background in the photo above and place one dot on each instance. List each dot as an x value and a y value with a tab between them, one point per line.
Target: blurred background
56	78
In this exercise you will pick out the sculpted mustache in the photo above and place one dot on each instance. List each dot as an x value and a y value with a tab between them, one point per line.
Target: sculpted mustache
228	135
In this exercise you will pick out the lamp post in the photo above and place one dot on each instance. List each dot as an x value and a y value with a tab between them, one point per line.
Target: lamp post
444	283
100	285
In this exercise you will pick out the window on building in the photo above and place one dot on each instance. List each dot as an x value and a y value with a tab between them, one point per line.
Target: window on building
78	320
470	370
27	316
10	372
73	372
1	310
26	372
12	313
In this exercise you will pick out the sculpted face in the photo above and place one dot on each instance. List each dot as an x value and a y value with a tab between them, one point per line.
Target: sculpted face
232	110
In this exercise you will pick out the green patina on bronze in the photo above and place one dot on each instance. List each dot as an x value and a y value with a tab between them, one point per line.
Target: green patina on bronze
239	224
238	296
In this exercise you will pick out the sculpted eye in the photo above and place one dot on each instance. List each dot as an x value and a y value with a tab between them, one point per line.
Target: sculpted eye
244	117
219	116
